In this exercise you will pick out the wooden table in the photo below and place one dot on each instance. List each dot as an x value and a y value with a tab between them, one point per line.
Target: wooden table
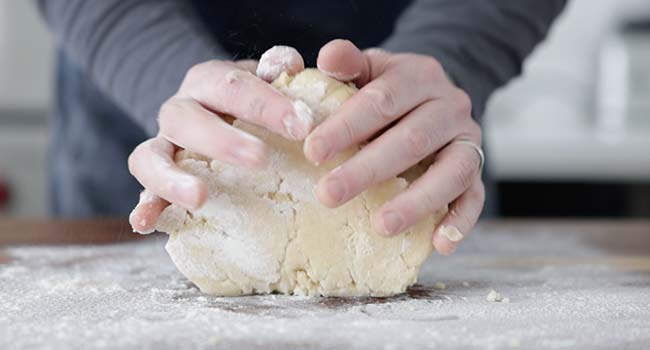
94	284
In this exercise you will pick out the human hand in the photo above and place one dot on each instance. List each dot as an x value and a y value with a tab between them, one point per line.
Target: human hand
192	119
417	112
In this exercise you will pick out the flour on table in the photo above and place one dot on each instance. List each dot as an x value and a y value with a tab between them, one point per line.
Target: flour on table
495	296
265	231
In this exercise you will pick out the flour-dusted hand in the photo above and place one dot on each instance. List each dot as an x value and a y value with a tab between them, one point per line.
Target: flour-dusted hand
192	119
408	110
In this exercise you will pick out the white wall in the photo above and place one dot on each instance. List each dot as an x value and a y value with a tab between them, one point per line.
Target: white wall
25	57
25	89
543	125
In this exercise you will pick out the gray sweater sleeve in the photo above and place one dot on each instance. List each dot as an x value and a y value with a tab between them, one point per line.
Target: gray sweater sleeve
136	51
481	44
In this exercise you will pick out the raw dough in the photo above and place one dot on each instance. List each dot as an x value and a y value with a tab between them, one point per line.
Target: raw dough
264	231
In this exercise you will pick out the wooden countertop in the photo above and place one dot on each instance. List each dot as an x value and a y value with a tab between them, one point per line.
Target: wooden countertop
615	236
94	284
49	231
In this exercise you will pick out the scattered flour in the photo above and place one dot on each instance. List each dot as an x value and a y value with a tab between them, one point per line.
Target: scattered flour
130	296
494	296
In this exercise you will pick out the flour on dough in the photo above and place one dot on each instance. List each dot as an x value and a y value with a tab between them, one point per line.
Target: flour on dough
265	231
451	233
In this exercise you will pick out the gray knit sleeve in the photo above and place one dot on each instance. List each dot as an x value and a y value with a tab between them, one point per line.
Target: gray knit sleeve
480	43
136	51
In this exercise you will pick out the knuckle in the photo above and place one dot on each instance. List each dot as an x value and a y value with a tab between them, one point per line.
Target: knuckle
132	161
477	192
349	132
382	101
476	133
169	111
367	174
194	71
199	70
233	76
463	103
418	142
467	168
432	68
430	201
137	156
258	108
227	81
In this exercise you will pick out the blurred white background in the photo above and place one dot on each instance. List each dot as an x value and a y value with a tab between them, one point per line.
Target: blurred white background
553	123
26	52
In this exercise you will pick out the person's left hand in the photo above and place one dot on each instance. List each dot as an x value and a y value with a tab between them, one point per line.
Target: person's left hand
416	111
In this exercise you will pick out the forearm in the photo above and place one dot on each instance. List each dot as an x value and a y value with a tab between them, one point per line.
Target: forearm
137	52
481	44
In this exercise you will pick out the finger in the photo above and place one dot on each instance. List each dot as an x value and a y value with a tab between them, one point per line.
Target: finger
248	65
187	124
460	220
382	101
342	60
151	163
423	131
225	88
279	59
145	215
451	174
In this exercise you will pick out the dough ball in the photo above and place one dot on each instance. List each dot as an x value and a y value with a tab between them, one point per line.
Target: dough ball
279	59
265	231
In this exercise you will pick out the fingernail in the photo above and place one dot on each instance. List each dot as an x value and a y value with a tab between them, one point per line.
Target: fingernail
392	222
319	149
301	122
338	75
335	190
451	233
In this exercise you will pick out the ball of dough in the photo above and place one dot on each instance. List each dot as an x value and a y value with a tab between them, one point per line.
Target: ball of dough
265	231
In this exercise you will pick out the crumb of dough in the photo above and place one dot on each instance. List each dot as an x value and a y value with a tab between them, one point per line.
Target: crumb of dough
495	296
465	284
440	285
278	59
451	232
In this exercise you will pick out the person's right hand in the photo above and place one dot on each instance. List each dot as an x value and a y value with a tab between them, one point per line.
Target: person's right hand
191	120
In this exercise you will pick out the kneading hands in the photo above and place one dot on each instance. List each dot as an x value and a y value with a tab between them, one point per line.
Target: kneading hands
406	111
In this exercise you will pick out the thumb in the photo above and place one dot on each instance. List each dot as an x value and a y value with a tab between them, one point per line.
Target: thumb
342	60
